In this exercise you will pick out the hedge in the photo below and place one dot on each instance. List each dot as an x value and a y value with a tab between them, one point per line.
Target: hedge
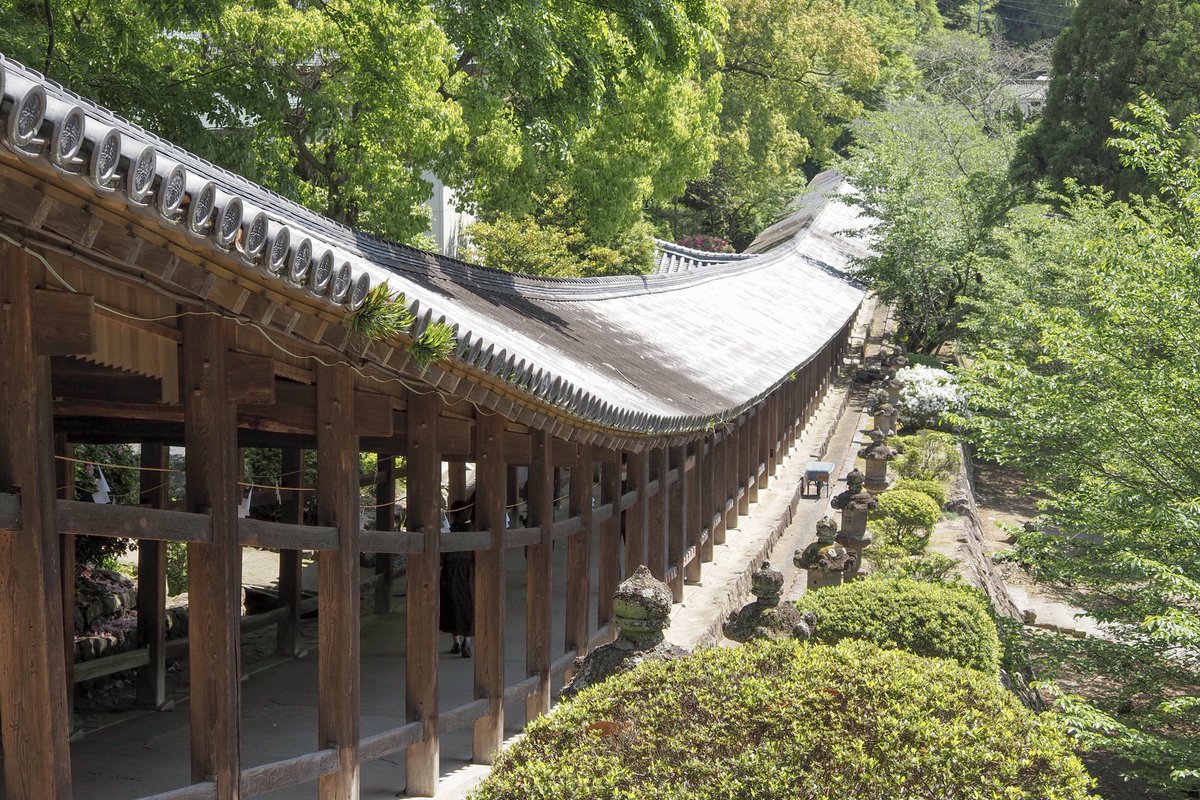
935	490
777	720
938	620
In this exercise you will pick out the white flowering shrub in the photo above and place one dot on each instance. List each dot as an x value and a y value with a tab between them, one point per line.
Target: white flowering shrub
927	395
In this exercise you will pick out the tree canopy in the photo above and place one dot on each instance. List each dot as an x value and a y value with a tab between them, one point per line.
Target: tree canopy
1113	51
1084	374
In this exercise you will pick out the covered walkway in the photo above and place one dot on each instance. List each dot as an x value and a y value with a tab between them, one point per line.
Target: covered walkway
152	298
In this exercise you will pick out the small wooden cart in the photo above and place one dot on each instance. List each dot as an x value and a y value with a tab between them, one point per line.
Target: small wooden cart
817	472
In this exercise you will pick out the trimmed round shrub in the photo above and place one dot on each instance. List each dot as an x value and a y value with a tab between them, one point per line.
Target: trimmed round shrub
936	620
911	512
935	490
778	720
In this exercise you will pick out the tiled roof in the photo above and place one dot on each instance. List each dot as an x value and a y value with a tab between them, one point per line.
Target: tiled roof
655	354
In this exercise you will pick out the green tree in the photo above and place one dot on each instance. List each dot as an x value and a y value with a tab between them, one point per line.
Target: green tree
936	180
1084	375
793	75
1112	51
343	104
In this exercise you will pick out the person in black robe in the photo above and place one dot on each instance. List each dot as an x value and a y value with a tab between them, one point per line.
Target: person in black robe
458	583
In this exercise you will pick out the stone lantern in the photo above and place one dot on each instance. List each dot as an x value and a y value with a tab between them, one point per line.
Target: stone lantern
642	611
882	412
765	618
825	559
877	453
854	503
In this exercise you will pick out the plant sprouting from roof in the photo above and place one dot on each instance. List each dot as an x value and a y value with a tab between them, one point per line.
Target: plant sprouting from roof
382	316
435	343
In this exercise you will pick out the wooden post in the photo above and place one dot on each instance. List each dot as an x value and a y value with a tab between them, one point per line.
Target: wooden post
538	562
765	434
385	520
609	569
677	516
214	568
721	485
709	496
775	434
579	552
491	475
457	476
754	434
660	515
33	707
424	601
697	522
152	583
339	586
64	470
637	516
744	438
290	588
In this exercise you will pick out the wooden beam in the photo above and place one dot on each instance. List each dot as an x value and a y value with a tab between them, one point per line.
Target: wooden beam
65	323
385	520
579	551
279	535
152	583
287	641
80	518
251	379
215	567
339	585
33	705
538	577
421	648
491	473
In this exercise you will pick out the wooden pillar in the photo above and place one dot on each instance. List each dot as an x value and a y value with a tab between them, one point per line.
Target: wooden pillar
743	466
697	517
712	511
152	583
774	434
339	584
767	441
608	573
64	470
754	433
33	707
677	517
579	552
421	648
491	475
660	514
385	520
214	568
538	579
720	485
637	516
287	641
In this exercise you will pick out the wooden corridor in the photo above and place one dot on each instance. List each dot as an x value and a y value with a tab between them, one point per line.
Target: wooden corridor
131	315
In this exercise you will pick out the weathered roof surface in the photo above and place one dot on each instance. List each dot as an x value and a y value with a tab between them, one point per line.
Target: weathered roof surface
821	211
671	257
655	354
